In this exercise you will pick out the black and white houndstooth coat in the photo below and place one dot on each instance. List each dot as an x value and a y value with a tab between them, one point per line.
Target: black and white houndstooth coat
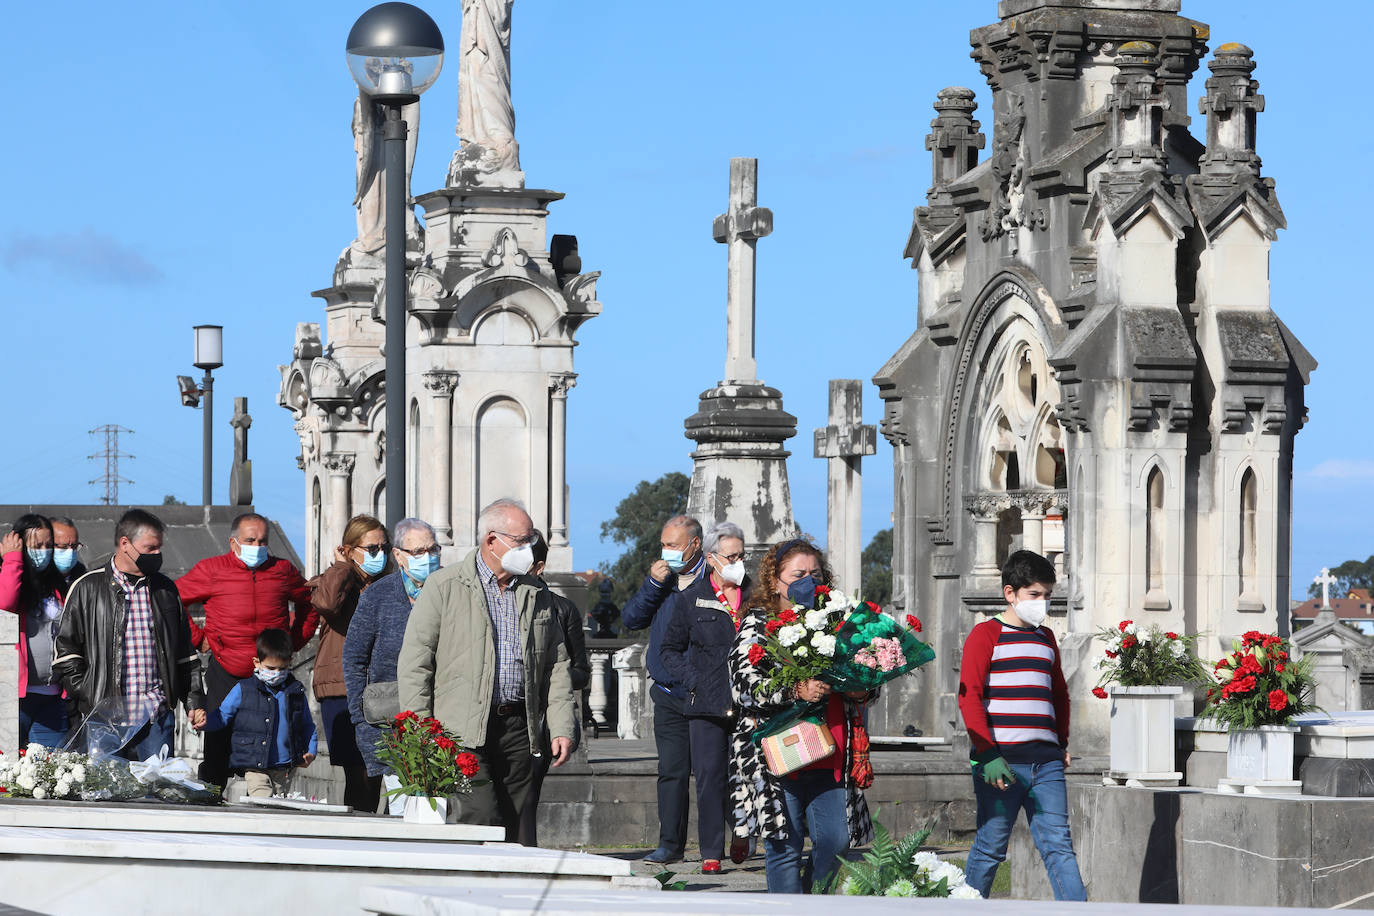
755	793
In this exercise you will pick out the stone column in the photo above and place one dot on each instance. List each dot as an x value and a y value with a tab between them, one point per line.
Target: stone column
441	384
843	444
984	508
559	384
340	467
597	695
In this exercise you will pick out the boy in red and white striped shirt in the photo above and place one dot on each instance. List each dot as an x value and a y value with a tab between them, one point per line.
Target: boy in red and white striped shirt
1015	705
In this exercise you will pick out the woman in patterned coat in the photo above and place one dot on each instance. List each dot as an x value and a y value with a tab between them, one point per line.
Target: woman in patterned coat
824	798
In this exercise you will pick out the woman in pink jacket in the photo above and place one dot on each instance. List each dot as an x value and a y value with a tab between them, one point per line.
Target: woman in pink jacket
31	586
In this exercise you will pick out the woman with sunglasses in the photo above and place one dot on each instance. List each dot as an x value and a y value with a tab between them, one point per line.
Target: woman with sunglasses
695	651
360	560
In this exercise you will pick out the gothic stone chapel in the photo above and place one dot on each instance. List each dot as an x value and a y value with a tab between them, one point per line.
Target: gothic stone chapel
1096	372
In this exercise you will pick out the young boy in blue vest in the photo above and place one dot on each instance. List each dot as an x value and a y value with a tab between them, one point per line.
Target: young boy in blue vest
269	720
1015	706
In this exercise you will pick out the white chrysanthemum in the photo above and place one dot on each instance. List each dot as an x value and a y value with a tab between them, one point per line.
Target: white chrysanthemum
78	773
27	782
61	789
789	635
1146	635
952	873
900	888
817	619
1130	630
824	644
36	748
40	792
1178	648
838	600
801	652
925	860
965	892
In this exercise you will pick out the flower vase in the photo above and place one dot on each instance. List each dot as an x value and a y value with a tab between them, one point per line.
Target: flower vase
421	809
1259	761
1142	737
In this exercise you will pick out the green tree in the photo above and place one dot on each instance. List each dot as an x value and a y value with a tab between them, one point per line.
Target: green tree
638	522
1350	574
170	500
876	568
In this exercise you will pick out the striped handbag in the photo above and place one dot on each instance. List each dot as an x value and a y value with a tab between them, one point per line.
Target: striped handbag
797	747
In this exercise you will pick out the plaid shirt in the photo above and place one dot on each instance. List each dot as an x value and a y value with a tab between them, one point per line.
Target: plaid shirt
505	622
140	674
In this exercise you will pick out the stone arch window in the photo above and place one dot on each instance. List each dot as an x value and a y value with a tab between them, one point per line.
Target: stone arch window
502	452
1249	536
316	527
1024	445
1155	596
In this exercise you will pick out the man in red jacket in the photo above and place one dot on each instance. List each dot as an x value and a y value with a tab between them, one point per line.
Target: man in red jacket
245	591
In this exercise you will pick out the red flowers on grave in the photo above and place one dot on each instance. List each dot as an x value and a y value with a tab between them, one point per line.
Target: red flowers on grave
912	621
1130	642
756	653
1260	684
1141	655
427	759
1100	693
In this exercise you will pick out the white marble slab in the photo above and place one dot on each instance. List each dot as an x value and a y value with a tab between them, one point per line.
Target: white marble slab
501	901
82	872
191	819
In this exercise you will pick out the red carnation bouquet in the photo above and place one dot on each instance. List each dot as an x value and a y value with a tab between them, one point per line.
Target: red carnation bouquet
426	758
1260	684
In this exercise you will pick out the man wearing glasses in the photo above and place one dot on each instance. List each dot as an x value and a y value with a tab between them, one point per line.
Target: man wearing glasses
244	591
484	654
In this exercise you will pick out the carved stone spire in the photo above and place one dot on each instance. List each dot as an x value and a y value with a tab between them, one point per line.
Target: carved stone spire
1136	109
1231	103
954	140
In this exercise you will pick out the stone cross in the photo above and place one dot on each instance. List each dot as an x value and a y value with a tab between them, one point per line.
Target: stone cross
241	474
740	228
1325	580
844	443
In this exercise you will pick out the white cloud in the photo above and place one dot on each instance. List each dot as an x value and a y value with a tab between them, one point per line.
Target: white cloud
1342	469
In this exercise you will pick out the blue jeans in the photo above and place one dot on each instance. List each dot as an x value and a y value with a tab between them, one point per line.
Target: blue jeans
42	720
151	737
813	802
1039	789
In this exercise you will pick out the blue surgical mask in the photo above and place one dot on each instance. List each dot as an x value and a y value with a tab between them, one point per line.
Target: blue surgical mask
420	567
40	557
375	563
272	677
803	592
674	559
253	555
65	558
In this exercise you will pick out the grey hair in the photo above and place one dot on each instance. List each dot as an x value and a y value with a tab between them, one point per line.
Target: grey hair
692	526
491	516
407	525
62	520
720	530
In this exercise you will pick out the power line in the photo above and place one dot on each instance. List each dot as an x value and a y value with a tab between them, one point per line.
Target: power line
111	456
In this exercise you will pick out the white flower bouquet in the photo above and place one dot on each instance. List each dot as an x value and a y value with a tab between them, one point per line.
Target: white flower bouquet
897	868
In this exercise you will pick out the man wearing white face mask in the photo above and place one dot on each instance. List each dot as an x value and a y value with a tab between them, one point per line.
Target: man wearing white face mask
483	653
1015	705
244	591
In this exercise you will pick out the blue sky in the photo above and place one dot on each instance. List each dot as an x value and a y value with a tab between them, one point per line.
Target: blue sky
185	163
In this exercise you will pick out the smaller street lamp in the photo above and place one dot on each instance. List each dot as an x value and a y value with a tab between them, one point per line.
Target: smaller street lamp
395	52
209	354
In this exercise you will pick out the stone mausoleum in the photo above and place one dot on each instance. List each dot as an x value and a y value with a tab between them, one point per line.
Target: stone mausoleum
493	307
1096	371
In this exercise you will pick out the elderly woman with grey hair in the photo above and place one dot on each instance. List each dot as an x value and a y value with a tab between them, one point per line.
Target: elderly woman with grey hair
695	651
375	635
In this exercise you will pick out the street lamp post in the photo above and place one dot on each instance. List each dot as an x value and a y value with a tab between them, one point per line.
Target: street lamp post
394	52
209	355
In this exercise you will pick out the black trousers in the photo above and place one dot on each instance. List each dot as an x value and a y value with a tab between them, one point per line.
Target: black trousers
673	740
214	764
508	768
710	738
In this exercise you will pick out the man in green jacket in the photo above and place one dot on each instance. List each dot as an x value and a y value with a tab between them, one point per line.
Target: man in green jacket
484	654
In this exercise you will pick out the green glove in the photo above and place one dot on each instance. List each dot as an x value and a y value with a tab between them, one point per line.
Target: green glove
998	768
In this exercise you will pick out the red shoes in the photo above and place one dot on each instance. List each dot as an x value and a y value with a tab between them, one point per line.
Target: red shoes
710	866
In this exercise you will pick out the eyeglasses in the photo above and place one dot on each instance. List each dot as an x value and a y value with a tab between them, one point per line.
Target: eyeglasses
519	541
372	549
432	550
77	546
731	557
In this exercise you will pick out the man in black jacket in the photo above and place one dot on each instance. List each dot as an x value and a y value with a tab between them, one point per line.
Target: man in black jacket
124	634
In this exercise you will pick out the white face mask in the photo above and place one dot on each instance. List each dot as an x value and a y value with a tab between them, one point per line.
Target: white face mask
733	572
271	676
1033	613
518	560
